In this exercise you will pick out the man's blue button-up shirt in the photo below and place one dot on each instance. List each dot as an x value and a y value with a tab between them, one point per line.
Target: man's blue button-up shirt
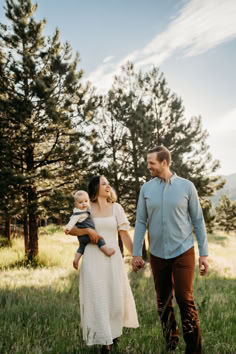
171	210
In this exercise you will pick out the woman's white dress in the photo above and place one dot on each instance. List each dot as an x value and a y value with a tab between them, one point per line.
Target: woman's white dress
106	300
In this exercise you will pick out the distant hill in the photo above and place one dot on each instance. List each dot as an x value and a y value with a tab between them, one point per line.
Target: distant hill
229	189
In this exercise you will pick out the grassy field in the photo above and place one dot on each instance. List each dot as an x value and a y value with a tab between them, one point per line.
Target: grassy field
39	307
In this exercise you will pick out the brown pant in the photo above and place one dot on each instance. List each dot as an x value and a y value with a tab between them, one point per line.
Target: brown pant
177	274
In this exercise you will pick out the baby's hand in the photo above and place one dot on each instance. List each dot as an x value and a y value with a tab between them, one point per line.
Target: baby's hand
101	237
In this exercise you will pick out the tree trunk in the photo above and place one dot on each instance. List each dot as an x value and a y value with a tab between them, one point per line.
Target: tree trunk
116	185
33	224
26	233
137	184
8	227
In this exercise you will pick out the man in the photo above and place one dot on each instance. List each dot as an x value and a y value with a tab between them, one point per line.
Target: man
170	206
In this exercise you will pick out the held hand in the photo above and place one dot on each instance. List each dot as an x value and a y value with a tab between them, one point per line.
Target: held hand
94	236
101	237
66	231
203	265
137	263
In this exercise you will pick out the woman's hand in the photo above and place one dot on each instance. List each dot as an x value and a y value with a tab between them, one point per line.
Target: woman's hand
81	232
93	235
137	263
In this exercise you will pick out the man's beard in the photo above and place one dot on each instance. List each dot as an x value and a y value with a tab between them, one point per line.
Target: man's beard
155	173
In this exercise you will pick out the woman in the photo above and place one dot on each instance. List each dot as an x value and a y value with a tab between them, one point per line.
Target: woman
106	301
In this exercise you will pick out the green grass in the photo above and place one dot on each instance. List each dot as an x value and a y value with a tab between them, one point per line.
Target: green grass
39	307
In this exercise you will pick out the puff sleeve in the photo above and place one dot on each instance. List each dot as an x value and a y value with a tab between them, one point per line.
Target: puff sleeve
121	218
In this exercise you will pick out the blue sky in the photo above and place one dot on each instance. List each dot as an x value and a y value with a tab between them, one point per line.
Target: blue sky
192	41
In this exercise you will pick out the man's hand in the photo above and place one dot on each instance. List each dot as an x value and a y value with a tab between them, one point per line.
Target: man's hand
137	263
94	236
203	265
66	231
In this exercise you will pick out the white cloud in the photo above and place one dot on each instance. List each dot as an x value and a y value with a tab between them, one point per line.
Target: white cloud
199	26
107	59
102	77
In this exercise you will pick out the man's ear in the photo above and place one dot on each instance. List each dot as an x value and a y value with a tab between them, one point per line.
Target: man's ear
164	163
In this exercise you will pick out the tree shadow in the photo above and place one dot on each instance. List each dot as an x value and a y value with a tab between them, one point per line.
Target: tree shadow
46	319
5	243
25	263
42	319
215	300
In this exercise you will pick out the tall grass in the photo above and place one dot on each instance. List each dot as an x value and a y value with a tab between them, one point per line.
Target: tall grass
39	307
55	250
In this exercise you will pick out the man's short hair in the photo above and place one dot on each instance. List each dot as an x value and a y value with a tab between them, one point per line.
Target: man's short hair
162	154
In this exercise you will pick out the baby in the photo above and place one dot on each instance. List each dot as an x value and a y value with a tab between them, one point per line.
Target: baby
81	218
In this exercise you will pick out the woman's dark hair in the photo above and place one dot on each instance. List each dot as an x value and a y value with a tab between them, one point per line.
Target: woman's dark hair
93	188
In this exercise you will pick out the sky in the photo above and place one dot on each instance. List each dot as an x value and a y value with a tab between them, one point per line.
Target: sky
193	42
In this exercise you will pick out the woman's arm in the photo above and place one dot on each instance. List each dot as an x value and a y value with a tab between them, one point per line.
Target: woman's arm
81	232
126	239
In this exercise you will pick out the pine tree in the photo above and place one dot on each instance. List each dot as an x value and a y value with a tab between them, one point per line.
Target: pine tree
148	114
127	136
46	110
226	214
209	214
10	201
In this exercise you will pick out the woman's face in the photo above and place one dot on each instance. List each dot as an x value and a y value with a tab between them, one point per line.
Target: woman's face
104	188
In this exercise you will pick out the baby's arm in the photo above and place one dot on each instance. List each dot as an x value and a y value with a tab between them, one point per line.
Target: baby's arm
73	220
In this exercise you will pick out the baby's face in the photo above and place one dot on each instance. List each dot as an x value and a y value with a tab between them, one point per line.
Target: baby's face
82	202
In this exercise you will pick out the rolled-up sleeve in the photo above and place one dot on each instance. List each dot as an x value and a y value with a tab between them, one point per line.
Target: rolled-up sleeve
198	222
140	225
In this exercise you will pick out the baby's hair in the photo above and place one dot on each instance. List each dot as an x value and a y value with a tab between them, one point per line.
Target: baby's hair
78	194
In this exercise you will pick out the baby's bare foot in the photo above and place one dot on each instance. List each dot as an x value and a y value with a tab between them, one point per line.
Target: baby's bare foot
110	252
75	265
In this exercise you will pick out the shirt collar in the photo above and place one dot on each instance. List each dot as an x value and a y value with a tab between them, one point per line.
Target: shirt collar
77	210
171	179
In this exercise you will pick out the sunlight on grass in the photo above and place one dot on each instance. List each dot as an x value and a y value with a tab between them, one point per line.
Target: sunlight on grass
222	255
39	307
55	250
13	254
36	278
